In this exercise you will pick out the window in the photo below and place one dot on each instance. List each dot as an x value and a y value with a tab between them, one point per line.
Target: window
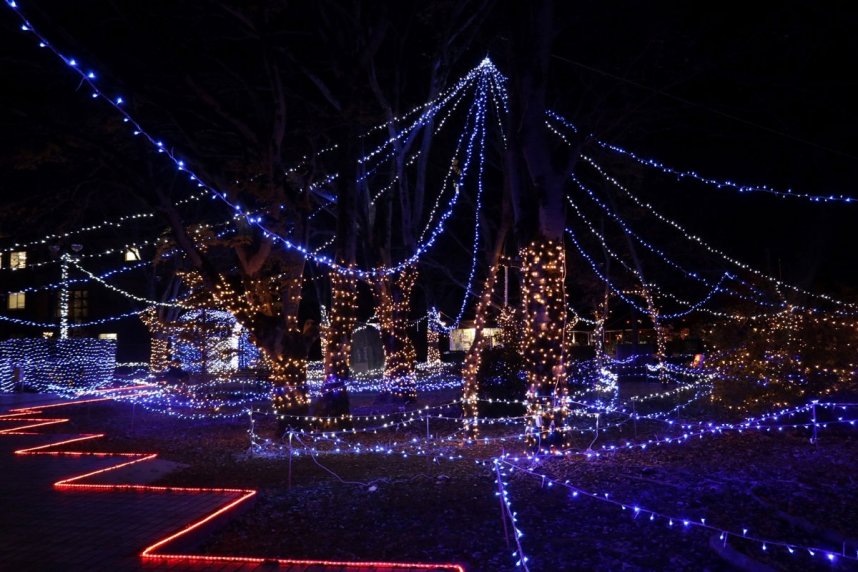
18	260
108	336
132	254
78	305
47	335
17	300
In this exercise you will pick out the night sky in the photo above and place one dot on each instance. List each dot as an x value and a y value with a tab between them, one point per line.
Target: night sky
762	95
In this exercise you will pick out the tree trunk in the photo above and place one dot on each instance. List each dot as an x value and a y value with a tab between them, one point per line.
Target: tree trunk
394	302
539	210
159	352
433	352
334	400
289	377
660	336
474	358
544	314
274	328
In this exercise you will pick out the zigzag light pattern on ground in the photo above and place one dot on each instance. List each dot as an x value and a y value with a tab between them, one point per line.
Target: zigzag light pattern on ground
32	418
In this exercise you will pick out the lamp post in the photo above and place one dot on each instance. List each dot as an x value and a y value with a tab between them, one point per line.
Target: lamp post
65	259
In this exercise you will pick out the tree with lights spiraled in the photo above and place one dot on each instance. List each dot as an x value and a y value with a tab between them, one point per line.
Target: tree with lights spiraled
539	169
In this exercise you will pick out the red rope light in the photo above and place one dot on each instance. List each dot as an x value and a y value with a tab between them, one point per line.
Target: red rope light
237	496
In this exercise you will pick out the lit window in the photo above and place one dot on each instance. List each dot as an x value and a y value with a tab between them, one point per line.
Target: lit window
47	335
132	254
17	300
108	336
18	260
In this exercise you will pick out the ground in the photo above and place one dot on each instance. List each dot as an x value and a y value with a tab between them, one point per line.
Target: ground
442	506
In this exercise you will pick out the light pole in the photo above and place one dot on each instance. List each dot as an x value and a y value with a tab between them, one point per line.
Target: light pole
65	259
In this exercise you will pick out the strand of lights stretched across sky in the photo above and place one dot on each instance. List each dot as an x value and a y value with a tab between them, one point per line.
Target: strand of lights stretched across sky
459	96
711	249
660	254
479	200
724	184
71	281
123	248
49	325
619	292
680	174
116	102
125	293
715	288
501	106
450	177
614	182
115	224
484	68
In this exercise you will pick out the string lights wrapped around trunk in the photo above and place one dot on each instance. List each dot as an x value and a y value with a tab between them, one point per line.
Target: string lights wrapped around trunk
434	327
660	337
510	328
324	324
289	378
475	354
338	346
275	330
287	350
399	356
543	273
159	345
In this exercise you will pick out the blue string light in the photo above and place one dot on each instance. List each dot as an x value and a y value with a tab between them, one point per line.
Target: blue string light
484	68
712	250
481	127
680	174
660	254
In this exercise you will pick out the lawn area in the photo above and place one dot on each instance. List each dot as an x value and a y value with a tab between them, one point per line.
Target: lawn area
435	500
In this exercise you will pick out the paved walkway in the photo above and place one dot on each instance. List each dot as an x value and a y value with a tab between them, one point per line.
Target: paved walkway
62	510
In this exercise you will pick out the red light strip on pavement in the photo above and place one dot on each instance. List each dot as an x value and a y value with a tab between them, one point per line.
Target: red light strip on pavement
18	430
29	451
39	408
149	553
